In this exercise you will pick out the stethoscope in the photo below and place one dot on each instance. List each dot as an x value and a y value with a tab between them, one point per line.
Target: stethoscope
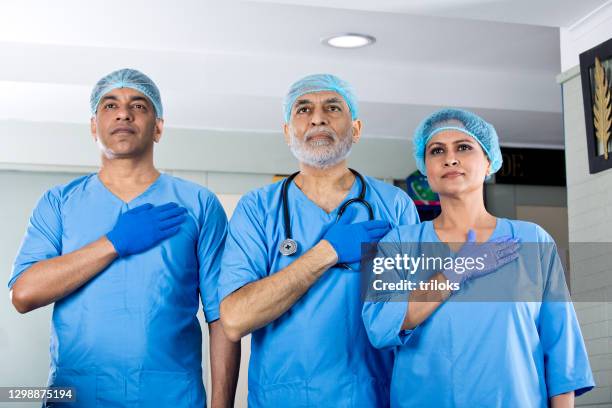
289	246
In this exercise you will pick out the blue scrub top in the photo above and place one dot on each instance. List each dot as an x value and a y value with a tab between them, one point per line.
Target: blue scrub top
486	354
317	353
130	337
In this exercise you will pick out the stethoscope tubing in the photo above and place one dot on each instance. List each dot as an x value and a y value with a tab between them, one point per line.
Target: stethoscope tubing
289	246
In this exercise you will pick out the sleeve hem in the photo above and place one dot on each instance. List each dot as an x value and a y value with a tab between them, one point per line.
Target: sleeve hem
390	335
226	290
14	279
579	387
404	335
211	316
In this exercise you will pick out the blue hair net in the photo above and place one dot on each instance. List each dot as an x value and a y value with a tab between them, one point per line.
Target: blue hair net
127	78
463	121
320	83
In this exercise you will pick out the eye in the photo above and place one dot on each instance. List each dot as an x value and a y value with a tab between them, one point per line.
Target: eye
109	105
139	106
436	150
464	147
334	108
303	109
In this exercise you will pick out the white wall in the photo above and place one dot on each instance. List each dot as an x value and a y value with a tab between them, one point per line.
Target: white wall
592	29
49	145
589	203
589	200
24	340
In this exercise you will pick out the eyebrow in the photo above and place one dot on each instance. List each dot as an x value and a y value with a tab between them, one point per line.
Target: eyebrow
301	102
139	98
132	98
108	98
455	142
333	100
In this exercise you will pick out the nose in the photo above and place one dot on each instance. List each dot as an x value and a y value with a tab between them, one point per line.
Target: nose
123	114
450	161
318	118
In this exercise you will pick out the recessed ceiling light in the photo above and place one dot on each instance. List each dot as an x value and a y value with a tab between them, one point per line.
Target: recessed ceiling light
349	40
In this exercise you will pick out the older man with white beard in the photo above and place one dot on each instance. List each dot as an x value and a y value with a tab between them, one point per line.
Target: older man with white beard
288	271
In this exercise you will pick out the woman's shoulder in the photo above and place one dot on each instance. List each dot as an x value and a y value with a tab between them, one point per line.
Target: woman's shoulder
527	231
408	232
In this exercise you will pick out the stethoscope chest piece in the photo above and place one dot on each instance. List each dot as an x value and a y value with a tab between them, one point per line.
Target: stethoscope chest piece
288	247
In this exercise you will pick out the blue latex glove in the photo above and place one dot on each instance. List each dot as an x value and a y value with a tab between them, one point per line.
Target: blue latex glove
145	226
495	253
347	238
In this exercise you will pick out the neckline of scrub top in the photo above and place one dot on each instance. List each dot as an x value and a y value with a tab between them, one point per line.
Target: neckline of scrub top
150	188
498	226
300	195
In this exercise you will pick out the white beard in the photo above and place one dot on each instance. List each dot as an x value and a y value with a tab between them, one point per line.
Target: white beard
321	154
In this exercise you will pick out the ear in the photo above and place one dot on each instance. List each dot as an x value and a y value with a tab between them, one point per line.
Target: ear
357	125
159	128
93	128
286	133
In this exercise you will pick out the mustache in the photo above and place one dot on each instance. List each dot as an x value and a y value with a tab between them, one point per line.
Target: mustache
318	130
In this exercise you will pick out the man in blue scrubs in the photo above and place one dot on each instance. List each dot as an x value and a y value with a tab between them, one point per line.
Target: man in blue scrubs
125	254
309	347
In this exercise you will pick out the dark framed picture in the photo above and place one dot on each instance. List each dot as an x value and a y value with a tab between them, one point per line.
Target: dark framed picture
596	75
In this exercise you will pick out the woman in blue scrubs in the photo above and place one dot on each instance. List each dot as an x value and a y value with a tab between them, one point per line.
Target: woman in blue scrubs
454	348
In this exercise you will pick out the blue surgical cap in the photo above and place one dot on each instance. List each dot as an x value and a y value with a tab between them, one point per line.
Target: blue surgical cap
463	121
127	78
320	83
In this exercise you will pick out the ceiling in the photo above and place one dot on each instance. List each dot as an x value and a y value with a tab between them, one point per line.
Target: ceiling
226	65
552	13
